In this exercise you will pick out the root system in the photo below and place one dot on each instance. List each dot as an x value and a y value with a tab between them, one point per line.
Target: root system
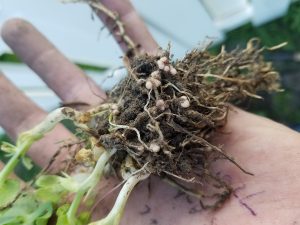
163	114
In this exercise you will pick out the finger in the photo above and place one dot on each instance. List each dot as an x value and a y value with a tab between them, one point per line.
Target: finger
18	113
135	28
66	79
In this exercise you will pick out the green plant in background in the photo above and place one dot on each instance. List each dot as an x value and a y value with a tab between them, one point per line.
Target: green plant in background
284	29
7	57
283	107
12	58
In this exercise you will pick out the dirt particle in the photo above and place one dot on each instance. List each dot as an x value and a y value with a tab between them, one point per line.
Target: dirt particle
146	210
253	194
195	209
179	194
189	199
153	222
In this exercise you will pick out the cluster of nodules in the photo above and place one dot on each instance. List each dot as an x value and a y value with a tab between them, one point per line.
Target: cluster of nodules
154	80
158	103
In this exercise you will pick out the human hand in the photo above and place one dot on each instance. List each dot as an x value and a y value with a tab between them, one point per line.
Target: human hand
250	142
263	147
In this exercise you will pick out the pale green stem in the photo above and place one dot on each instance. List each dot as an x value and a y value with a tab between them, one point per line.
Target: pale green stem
9	167
52	119
39	212
88	184
115	215
71	214
26	139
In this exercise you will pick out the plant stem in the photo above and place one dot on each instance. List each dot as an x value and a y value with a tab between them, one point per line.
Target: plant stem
26	139
88	184
71	214
39	212
115	215
9	167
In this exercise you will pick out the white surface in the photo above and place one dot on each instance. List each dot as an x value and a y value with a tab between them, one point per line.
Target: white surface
187	21
220	9
235	20
231	14
267	10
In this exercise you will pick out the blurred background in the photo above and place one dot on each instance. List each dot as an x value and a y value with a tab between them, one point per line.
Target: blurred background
185	24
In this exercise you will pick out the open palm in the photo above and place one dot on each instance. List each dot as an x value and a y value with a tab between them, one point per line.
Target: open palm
267	149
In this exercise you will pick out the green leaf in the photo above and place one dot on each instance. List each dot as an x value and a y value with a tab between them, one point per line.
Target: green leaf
50	194
8	155
12	220
62	219
42	214
27	211
49	189
8	147
8	192
27	162
84	217
61	214
67	183
53	188
47	180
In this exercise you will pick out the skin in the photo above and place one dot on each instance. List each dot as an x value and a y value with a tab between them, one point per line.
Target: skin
264	147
